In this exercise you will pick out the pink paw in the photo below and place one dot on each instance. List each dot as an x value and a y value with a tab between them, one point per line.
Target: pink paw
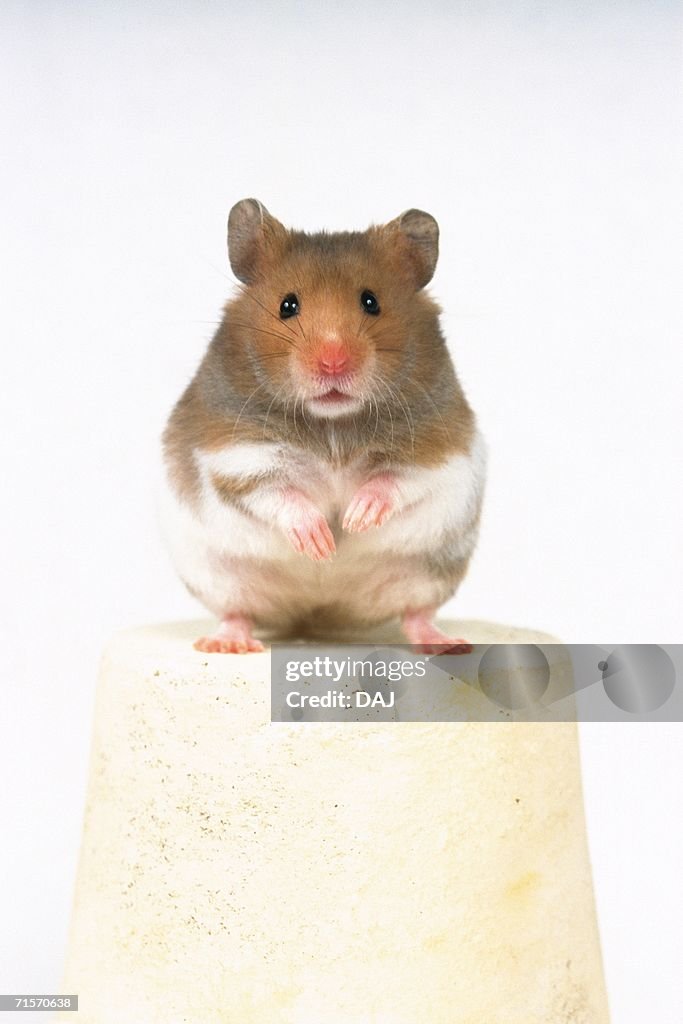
312	536
233	636
227	645
445	647
428	638
371	505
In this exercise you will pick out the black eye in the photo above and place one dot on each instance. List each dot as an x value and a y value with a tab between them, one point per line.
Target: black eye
289	306
369	303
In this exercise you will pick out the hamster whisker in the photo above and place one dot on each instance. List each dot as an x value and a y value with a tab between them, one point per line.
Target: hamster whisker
383	386
391	423
285	410
368	401
300	395
262	330
273	399
377	421
217	269
258	302
406	413
303	414
436	408
256	389
373	399
301	328
300	288
378	331
409	420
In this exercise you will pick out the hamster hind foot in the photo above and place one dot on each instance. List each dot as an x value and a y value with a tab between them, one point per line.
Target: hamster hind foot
421	631
233	636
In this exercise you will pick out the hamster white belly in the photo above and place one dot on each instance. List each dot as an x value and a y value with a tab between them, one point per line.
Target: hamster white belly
236	561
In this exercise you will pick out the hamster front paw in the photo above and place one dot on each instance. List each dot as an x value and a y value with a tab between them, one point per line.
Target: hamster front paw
307	529
305	526
371	505
313	539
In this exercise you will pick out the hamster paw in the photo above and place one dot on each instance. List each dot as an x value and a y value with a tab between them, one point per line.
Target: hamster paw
371	505
428	639
312	536
233	636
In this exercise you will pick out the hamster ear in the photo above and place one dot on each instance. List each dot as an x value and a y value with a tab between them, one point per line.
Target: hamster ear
421	234
253	236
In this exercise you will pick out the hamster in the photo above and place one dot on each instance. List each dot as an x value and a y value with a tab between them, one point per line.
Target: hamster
323	470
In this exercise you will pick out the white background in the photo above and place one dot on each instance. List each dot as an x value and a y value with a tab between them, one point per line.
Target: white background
546	139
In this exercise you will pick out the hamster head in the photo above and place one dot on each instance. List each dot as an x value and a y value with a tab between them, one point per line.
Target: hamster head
333	321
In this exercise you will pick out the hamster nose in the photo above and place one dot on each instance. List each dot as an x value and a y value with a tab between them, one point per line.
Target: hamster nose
333	359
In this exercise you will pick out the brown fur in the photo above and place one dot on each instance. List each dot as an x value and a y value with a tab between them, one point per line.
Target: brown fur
424	417
231	488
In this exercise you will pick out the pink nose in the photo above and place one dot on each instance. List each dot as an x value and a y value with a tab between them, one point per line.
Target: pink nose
333	359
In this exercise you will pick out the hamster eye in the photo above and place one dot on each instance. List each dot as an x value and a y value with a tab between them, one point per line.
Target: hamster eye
369	303
289	306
